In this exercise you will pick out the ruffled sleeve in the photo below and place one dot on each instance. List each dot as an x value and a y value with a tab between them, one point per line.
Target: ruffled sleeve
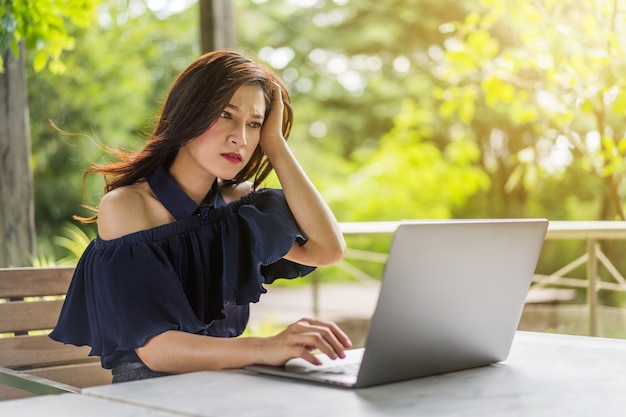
179	276
120	296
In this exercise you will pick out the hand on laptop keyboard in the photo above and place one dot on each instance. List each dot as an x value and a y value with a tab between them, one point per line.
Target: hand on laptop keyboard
301	338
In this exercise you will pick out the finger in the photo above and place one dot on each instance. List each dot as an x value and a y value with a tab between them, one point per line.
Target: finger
272	127
312	338
276	109
309	357
339	334
327	341
316	341
277	96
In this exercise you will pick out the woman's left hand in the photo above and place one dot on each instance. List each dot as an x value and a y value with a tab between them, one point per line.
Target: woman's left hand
272	130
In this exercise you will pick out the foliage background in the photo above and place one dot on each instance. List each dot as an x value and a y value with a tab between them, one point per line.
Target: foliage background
404	109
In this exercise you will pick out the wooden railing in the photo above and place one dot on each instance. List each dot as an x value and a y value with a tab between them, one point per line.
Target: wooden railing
589	231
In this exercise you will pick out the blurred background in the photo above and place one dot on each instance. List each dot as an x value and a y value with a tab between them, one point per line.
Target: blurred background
424	109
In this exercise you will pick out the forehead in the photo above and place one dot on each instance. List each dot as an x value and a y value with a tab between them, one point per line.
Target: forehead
249	98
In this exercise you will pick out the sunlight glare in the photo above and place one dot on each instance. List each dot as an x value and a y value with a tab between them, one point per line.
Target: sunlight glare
593	140
165	8
352	81
318	129
401	64
304	3
278	58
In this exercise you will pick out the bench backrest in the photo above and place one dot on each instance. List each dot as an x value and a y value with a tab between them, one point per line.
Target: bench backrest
30	303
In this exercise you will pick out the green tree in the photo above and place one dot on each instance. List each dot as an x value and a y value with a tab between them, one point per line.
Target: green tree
467	75
349	67
116	79
409	176
551	71
42	27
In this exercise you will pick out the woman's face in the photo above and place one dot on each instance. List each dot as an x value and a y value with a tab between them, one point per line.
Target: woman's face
225	148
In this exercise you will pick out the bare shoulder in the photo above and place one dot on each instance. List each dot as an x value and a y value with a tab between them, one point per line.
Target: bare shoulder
235	193
129	209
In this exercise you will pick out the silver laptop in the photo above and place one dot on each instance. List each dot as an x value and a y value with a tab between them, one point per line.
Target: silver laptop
451	298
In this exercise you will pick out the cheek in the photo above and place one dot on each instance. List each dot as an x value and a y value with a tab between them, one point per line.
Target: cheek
253	138
210	137
215	130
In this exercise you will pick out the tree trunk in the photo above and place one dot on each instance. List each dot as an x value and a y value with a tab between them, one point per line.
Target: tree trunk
17	219
217	27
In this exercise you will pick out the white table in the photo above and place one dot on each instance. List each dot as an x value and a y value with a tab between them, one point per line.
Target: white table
545	375
75	405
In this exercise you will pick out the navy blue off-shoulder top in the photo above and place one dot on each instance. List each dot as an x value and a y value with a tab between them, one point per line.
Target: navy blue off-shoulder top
197	274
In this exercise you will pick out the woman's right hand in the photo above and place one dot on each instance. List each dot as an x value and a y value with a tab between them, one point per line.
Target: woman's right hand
301	338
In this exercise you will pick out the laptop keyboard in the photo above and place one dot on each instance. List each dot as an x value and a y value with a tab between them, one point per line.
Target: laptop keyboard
345	369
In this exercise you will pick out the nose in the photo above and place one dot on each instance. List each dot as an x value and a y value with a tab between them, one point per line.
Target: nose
238	136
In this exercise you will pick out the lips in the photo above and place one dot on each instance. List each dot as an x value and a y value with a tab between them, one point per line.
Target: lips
232	157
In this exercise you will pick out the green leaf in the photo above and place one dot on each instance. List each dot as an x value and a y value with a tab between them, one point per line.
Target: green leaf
8	22
44	26
5	42
514	179
472	18
40	60
56	67
587	106
619	105
447	108
466	110
15	47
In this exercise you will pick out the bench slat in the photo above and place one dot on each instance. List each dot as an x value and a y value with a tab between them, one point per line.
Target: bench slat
37	363
33	383
21	316
9	392
78	375
34	282
70	378
36	351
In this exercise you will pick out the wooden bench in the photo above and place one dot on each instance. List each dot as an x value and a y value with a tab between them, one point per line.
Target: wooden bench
30	362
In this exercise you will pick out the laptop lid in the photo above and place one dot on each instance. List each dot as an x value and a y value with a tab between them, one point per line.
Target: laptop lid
451	298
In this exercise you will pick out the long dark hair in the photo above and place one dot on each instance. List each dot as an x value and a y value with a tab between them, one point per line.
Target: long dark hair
193	104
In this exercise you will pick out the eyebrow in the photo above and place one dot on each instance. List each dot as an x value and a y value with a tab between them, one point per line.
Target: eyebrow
256	116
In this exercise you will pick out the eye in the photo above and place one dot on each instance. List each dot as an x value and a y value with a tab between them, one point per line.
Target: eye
256	125
225	115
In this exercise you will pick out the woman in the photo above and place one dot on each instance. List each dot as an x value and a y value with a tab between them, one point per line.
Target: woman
185	240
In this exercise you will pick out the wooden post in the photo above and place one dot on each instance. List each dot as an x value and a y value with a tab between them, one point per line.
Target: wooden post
315	294
17	218
592	289
217	27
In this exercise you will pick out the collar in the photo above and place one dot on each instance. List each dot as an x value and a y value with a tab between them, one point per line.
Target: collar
174	199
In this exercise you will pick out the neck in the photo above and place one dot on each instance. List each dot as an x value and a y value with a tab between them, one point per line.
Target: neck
196	183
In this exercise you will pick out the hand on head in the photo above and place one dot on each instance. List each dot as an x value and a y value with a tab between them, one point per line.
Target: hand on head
273	126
